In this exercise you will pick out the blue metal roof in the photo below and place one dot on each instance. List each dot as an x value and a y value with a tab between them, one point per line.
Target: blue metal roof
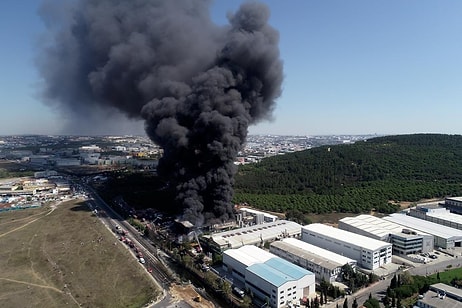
269	274
295	271
278	271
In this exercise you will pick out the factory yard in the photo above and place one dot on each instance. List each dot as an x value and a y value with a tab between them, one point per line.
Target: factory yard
63	256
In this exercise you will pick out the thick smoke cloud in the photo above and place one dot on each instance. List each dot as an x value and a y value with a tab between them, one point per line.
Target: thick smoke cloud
196	85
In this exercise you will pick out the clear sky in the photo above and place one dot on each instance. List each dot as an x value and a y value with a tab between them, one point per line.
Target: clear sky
351	67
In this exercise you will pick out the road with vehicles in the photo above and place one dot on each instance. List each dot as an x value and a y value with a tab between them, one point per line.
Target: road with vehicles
113	221
137	243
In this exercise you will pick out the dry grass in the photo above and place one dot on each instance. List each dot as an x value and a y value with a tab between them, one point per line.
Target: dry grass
330	218
67	258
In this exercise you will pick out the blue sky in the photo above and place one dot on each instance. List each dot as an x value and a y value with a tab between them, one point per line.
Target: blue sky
351	67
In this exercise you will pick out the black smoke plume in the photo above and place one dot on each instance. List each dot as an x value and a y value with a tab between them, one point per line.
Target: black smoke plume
197	86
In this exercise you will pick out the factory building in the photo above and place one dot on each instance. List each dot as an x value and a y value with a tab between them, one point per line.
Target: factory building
441	295
271	279
251	235
326	265
369	253
444	237
437	215
453	204
405	241
249	217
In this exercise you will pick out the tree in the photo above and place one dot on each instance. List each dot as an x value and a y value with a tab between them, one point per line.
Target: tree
393	282
372	303
386	301
355	304
389	291
398	302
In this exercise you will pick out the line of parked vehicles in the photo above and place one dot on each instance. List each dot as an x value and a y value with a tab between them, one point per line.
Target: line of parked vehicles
123	238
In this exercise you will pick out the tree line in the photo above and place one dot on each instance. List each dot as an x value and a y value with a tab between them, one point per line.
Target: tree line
372	174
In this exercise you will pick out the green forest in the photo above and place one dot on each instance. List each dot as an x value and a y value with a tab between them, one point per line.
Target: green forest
375	174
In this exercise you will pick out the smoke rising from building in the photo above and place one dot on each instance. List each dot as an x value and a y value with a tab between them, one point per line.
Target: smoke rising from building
197	86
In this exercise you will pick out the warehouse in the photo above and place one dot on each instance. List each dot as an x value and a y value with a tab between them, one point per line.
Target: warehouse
249	217
369	253
405	241
252	235
269	277
237	260
454	204
437	215
325	265
444	237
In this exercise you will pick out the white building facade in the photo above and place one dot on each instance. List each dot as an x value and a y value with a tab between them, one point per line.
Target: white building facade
369	253
326	265
271	279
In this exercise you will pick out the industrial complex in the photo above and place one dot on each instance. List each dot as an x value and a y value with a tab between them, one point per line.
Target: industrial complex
405	240
444	237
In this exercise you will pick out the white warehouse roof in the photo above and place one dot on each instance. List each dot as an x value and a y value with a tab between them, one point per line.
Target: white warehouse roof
308	251
446	216
346	236
249	255
257	233
455	199
255	212
375	225
425	226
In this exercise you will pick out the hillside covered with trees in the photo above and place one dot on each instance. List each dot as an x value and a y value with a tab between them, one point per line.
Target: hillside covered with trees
372	174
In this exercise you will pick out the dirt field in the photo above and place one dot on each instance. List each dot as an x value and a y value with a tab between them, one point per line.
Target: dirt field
188	294
64	257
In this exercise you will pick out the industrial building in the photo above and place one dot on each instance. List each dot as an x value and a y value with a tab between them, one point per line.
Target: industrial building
453	204
369	253
444	237
436	214
251	235
441	295
326	265
248	217
405	241
270	278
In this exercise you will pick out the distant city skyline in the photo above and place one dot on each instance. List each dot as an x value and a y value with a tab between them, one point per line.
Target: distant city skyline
351	68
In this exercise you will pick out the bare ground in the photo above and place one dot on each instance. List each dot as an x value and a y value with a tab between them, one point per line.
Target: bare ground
65	257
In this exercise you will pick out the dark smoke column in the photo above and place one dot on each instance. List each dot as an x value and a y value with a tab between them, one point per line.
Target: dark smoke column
197	86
